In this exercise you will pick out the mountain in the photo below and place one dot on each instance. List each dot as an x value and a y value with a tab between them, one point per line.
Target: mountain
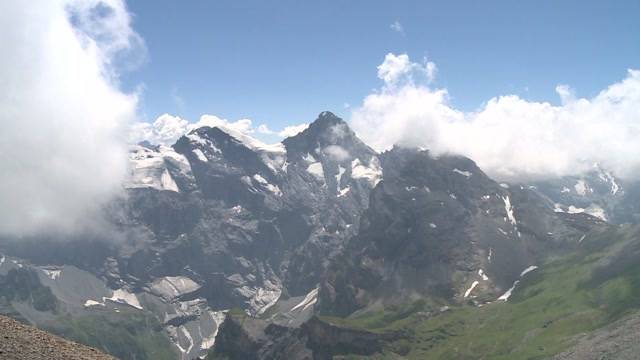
219	220
439	227
597	192
320	247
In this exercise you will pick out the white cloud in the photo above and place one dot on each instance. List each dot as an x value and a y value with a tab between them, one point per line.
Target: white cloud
264	129
292	130
397	27
509	137
338	153
62	147
167	129
398	69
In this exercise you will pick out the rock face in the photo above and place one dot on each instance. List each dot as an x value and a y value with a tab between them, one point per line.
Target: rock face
248	338
597	192
220	220
19	342
439	227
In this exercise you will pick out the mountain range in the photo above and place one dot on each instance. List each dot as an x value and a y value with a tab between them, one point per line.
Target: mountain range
319	247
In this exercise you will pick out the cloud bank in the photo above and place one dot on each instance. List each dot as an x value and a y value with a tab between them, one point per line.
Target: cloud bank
167	129
62	149
509	137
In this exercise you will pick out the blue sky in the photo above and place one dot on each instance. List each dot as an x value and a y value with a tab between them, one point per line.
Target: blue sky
282	62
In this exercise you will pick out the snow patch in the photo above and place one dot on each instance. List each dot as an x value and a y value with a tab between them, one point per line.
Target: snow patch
464	173
310	299
267	185
90	303
507	295
372	172
509	209
171	287
316	170
528	270
148	168
122	296
52	274
200	155
309	158
344	192
593	210
483	275
470	289
581	188
167	182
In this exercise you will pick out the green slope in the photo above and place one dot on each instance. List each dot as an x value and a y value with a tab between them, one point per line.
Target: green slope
595	286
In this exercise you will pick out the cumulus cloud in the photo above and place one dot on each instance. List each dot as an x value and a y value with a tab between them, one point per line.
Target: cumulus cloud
62	142
399	69
167	129
509	137
292	130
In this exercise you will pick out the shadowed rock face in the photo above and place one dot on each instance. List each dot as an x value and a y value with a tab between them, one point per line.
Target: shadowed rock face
246	338
439	227
243	223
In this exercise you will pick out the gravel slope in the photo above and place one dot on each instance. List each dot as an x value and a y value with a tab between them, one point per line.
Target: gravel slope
19	341
620	341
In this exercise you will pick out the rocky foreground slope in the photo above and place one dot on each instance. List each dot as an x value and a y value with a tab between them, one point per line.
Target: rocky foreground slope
22	342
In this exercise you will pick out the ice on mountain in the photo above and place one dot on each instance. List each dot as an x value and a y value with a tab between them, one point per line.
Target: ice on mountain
372	172
464	173
316	170
272	188
171	287
90	303
200	155
509	209
122	296
528	270
149	168
167	182
582	188
470	289
344	192
52	274
310	299
593	210
483	275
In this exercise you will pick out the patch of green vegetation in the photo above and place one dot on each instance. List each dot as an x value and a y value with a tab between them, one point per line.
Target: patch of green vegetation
598	284
127	335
